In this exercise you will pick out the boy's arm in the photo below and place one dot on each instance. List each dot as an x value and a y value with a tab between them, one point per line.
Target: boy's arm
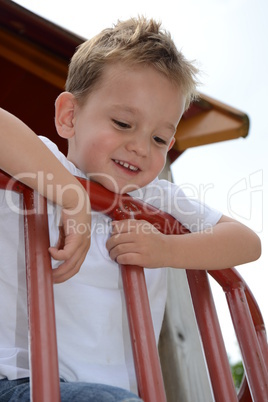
22	153
227	244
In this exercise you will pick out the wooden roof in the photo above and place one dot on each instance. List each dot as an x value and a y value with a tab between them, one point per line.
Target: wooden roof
34	57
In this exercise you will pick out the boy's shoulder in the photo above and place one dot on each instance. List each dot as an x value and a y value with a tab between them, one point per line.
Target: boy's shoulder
160	193
171	198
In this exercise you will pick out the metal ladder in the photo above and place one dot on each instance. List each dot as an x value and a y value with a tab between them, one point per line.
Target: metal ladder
246	316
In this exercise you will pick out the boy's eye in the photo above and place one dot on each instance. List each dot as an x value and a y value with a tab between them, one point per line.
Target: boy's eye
121	124
159	140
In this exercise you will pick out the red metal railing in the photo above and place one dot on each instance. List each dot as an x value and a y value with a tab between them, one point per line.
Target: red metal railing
41	313
246	316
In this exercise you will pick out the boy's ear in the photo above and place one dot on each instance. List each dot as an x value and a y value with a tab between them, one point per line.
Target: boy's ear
172	142
64	114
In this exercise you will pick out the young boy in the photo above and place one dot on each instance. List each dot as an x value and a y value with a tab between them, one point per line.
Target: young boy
126	91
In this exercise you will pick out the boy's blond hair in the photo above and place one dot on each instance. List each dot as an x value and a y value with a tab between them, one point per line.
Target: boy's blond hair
134	41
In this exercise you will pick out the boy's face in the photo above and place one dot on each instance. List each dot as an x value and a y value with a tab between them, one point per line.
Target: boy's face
122	134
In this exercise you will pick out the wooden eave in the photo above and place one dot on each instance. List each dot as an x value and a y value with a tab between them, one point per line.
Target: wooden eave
34	58
208	121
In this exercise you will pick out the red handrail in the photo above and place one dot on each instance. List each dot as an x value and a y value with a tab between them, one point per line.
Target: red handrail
146	360
245	313
215	352
41	313
40	297
145	354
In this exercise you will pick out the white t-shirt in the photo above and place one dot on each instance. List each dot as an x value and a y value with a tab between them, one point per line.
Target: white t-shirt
92	329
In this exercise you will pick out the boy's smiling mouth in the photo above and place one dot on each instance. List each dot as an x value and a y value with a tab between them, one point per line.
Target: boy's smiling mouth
126	165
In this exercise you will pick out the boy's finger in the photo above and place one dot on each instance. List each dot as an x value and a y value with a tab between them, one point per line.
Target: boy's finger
61	254
54	252
67	269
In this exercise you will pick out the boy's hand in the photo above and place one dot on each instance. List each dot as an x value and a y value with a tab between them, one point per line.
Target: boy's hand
73	244
137	242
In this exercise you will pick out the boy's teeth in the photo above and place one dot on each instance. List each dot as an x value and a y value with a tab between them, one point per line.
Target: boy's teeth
126	165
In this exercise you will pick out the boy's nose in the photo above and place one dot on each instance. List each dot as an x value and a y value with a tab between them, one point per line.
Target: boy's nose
139	145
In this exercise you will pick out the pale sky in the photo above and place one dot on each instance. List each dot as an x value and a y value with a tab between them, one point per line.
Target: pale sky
228	40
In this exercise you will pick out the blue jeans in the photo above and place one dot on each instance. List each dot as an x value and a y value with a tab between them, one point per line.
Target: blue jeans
19	391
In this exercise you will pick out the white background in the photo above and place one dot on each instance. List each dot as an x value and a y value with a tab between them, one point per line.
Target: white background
228	38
